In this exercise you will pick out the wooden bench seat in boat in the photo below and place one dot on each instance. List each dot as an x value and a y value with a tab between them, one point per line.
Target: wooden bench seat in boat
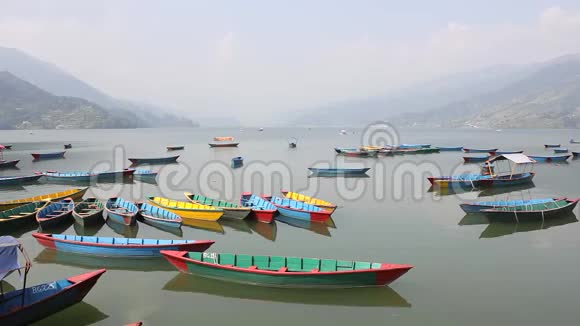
119	241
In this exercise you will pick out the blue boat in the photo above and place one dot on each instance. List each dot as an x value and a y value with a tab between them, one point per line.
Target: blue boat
237	162
505	152
409	146
476	207
550	158
299	210
46	156
55	213
154	160
262	210
339	172
117	247
28	305
560	150
552	145
576	154
121	211
159	217
450	149
475	159
18	180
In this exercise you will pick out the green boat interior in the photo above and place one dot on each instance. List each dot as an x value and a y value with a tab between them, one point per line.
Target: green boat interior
21	211
281	263
535	207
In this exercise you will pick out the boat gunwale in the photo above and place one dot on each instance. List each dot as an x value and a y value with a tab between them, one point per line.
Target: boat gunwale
45	236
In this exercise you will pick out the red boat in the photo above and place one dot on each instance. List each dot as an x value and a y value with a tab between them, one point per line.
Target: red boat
262	209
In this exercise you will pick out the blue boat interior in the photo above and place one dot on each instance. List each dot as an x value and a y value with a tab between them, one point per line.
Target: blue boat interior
513	202
159	212
257	203
293	204
12	301
56	209
120	241
121	206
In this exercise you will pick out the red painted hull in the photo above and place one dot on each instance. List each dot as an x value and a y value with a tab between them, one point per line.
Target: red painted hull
263	216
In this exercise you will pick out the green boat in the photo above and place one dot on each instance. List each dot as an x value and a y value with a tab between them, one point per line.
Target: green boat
231	211
21	215
280	271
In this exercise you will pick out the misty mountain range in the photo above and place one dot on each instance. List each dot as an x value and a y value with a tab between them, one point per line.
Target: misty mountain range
540	95
36	94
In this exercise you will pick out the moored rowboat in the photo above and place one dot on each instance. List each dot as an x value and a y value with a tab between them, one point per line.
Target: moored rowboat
538	210
89	211
560	150
476	207
231	210
43	156
20	215
505	152
262	209
43	300
18	180
550	158
187	210
121	211
280	271
154	160
450	149
117	247
175	148
327	206
475	159
552	145
75	194
8	164
299	210
479	150
55	213
159	217
338	172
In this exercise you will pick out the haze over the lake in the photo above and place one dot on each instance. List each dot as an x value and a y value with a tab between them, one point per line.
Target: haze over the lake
254	60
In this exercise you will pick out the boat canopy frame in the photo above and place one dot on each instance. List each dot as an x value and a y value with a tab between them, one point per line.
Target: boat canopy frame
513	161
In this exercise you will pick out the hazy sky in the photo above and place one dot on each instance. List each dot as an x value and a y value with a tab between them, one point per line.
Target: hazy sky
271	57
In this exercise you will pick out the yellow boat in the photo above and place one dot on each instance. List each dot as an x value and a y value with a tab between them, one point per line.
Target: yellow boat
187	210
75	194
327	206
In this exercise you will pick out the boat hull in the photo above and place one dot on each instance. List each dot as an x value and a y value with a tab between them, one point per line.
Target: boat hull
74	194
159	160
450	149
552	145
502	181
478	150
536	214
223	145
576	154
548	159
192	214
46	156
343	279
134	247
126	219
13	181
235	213
264	216
475	159
8	164
479	206
47	299
339	172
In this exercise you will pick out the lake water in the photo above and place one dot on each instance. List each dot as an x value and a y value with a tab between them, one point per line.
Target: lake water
467	271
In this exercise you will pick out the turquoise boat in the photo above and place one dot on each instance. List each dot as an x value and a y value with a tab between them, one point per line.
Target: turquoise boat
121	211
159	217
280	271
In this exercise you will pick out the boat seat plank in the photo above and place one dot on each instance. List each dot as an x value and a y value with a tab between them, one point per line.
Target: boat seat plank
294	264
195	255
361	265
261	262
14	216
243	261
310	263
227	259
106	240
344	265
277	262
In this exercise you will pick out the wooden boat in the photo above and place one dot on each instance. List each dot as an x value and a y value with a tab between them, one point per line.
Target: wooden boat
237	162
327	206
224	144
156	216
7	146
479	150
576	154
560	150
402	151
44	156
505	152
475	159
552	145
491	178
339	172
22	307
450	149
572	141
78	176
75	194
144	173
175	148
223	138
67	146
299	210
280	271
476	207
18	180
89	211
117	247
292	142
262	210
154	160
340	149
231	211
121	211
359	153
550	158
187	210
539	210
8	164
415	146
55	213
21	215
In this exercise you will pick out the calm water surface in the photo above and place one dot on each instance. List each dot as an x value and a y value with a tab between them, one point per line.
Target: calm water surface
467	270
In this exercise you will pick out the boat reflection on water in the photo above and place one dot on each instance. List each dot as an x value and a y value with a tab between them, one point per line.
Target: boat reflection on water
266	230
150	264
318	228
81	313
128	231
60	227
18	231
355	297
212	226
237	225
497	228
89	230
482	192
175	231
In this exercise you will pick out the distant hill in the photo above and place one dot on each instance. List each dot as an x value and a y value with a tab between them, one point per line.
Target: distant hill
512	96
60	83
23	105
